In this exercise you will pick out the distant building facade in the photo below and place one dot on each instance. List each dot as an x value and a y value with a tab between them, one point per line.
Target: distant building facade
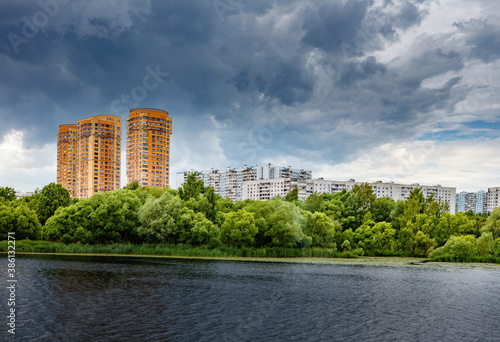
98	154
88	155
263	189
66	157
492	198
148	147
228	183
477	202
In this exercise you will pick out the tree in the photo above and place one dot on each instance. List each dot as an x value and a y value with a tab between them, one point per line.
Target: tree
158	218
17	217
7	194
196	229
134	185
191	188
485	244
321	229
292	196
284	229
364	195
493	224
51	197
382	208
105	218
375	237
239	229
313	203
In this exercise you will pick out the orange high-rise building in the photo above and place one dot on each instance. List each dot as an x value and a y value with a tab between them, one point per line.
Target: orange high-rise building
148	147
66	157
99	151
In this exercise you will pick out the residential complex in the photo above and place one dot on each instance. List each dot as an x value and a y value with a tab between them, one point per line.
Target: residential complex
264	189
98	154
88	155
66	157
472	201
492	198
228	183
478	202
148	147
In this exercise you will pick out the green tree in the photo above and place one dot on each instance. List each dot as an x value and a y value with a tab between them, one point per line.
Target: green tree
313	203
192	188
284	225
485	244
7	194
382	208
50	199
321	229
239	229
17	217
493	224
110	217
158	218
364	195
196	229
292	196
134	185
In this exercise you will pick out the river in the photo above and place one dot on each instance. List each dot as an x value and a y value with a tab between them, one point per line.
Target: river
100	298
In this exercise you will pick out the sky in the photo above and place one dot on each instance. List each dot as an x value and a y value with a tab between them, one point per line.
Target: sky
404	91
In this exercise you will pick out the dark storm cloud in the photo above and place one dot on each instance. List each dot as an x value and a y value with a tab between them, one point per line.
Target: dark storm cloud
483	38
312	61
330	24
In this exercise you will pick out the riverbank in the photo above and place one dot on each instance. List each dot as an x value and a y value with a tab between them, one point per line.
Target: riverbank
360	261
318	256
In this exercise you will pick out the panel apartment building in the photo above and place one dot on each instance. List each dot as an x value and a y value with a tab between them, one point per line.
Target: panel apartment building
148	147
228	183
265	189
88	155
478	202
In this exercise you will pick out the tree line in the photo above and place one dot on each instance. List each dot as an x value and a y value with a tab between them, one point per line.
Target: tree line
351	222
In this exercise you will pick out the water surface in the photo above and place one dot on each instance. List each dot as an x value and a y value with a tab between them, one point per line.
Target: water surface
98	298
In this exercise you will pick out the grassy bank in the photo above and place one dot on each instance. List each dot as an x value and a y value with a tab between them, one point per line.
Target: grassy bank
175	250
264	254
474	259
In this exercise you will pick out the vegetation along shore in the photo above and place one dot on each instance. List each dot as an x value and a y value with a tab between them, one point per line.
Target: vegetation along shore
194	221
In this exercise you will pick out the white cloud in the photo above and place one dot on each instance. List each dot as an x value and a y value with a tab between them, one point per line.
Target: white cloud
197	148
26	169
465	164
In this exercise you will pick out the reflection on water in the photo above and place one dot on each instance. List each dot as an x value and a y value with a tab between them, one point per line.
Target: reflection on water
75	298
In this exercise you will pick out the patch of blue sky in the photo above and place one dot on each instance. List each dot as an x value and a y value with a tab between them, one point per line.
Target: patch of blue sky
479	124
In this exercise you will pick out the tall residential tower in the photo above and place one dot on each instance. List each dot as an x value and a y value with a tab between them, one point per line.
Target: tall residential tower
148	147
66	157
99	150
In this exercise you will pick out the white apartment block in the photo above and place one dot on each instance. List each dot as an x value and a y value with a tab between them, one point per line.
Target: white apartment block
492	198
381	189
228	183
265	189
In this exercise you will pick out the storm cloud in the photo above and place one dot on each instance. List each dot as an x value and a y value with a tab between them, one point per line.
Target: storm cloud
317	83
